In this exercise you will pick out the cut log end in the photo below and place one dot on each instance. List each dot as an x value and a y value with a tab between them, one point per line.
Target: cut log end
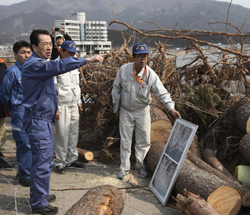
225	200
85	155
160	130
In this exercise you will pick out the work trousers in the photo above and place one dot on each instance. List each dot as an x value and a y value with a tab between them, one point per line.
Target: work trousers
2	134
67	130
23	149
140	121
41	138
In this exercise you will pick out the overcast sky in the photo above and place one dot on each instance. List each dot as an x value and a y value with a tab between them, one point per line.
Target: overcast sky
245	3
9	2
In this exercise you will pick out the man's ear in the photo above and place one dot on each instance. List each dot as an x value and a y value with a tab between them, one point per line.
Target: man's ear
15	54
33	47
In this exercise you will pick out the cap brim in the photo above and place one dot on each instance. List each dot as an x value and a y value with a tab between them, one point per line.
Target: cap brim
143	52
71	50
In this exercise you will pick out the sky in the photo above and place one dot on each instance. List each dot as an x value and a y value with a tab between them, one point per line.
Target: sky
244	3
9	2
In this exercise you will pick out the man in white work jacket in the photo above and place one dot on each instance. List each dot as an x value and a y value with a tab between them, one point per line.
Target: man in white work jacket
134	83
67	117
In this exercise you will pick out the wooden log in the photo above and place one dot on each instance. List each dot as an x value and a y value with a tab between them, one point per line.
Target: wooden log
245	147
245	200
242	118
101	200
154	154
237	184
209	157
225	200
156	150
205	166
201	182
161	126
195	147
194	204
85	155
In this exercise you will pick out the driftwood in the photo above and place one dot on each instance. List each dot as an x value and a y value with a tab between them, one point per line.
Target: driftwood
225	200
101	200
194	204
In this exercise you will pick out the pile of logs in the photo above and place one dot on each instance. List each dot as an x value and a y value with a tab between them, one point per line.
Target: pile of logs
202	174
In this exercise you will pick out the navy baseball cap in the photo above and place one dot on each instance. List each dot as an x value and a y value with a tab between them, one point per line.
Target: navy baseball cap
69	45
140	48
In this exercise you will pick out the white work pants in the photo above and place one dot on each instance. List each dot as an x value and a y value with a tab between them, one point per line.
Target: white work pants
67	129
140	121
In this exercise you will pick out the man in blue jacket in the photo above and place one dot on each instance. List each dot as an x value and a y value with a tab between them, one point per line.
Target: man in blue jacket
40	102
11	96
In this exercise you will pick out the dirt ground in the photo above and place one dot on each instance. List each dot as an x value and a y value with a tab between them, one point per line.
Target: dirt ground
14	199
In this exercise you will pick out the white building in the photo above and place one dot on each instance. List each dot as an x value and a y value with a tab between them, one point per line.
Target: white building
90	36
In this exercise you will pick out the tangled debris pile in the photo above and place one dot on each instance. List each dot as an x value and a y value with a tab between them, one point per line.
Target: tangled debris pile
212	93
196	88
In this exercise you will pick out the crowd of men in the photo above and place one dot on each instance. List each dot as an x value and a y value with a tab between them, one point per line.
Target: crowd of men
42	89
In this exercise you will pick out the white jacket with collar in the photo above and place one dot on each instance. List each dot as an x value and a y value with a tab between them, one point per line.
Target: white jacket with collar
133	95
64	85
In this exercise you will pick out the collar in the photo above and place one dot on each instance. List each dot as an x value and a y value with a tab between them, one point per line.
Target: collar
141	73
36	56
19	65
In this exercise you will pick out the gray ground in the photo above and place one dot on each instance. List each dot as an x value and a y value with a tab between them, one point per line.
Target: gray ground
14	199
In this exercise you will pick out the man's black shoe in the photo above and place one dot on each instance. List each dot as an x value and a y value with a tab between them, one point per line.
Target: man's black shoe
59	170
24	182
77	164
5	164
51	198
47	210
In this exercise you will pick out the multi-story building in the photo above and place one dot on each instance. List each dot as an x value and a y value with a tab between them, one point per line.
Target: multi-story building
90	36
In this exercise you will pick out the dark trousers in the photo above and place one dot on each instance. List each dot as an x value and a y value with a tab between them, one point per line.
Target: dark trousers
23	151
41	137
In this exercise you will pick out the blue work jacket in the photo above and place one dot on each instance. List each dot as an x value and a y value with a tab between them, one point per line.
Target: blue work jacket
39	92
11	93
